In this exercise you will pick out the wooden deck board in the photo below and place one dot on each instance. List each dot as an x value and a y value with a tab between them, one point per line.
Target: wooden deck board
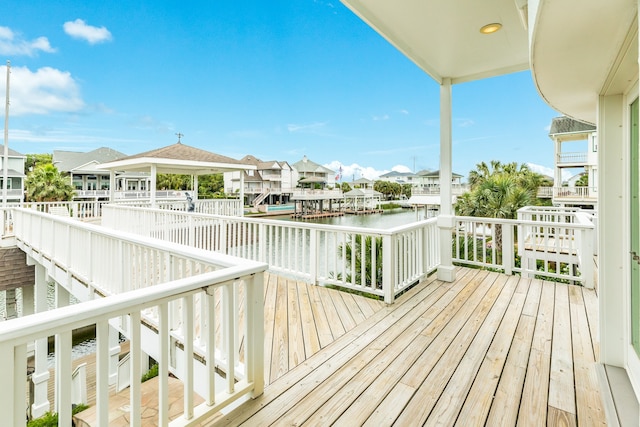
486	349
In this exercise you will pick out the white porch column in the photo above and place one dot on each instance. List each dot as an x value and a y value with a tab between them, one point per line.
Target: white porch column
40	376
152	186
112	185
446	220
613	206
241	193
195	187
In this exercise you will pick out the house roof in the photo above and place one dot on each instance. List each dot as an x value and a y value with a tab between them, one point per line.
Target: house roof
362	181
71	161
396	174
12	173
265	165
307	166
435	174
564	125
178	159
443	37
14	153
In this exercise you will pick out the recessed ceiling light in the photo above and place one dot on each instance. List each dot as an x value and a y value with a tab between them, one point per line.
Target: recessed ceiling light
490	28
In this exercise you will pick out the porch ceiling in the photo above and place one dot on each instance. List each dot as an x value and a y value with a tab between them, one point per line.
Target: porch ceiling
443	37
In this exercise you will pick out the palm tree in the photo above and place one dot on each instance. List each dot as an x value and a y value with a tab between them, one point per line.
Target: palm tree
353	256
46	184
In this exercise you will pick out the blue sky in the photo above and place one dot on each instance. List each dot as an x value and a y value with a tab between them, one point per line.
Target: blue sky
276	79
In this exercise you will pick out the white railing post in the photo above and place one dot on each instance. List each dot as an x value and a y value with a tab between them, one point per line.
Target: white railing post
388	269
446	270
507	248
586	257
313	256
254	331
7	396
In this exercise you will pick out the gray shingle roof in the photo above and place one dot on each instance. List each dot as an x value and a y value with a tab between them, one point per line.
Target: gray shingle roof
179	151
67	161
566	124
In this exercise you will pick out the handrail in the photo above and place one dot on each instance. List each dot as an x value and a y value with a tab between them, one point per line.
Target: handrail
142	280
375	261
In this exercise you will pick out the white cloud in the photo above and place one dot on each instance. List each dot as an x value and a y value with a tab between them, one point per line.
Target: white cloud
401	168
405	112
12	44
380	118
464	123
544	170
44	91
309	128
355	171
81	30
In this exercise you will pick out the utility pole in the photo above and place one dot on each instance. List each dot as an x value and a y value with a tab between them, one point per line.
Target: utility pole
5	159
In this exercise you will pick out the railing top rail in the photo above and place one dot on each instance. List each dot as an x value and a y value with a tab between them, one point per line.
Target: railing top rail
527	222
216	259
276	222
28	328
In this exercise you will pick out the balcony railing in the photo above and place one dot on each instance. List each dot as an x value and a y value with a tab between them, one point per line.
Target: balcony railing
311	194
347	256
161	296
229	207
551	245
573	157
456	190
569	193
374	261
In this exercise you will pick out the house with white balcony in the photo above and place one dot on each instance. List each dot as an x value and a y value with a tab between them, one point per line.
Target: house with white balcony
271	183
428	182
15	176
399	177
463	346
88	180
575	154
306	168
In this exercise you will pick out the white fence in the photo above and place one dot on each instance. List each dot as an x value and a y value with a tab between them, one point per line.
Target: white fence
551	243
375	261
227	207
168	300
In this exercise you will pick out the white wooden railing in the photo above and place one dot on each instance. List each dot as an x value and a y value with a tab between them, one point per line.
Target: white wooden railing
544	242
456	189
375	261
160	295
572	157
576	193
227	207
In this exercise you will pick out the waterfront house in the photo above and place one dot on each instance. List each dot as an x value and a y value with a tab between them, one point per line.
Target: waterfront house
575	150
399	177
91	182
271	183
15	174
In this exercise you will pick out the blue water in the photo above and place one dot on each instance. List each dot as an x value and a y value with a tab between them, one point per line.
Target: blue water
388	219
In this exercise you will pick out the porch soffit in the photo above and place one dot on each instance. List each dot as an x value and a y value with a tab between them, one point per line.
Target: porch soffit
581	49
443	37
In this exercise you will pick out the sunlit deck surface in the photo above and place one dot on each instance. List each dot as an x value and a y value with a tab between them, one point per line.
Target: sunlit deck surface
487	349
300	320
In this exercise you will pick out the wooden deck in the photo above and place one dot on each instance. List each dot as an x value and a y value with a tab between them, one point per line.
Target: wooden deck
300	320
487	349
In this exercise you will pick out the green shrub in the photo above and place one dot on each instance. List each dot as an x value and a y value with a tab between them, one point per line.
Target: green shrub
153	372
50	419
